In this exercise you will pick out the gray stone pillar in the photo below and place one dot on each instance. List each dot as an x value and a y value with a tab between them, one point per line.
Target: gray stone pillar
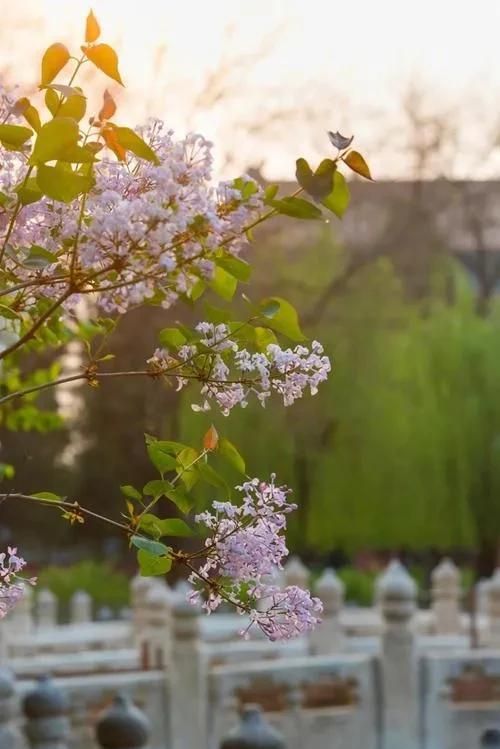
139	589
399	668
187	677
46	609
446	598
328	637
296	573
81	607
254	732
494	610
157	632
20	620
9	736
46	708
123	726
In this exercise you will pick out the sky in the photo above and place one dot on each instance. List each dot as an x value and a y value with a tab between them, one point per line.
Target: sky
345	64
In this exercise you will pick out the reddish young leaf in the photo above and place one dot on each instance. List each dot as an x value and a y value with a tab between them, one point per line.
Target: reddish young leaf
108	107
211	439
109	135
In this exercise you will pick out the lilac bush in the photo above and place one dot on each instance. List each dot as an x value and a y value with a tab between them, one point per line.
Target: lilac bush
97	218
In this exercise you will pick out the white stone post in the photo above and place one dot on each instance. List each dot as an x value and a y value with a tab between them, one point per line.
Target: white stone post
187	679
296	573
46	609
399	668
494	610
328	637
446	598
157	635
9	735
139	589
81	607
20	619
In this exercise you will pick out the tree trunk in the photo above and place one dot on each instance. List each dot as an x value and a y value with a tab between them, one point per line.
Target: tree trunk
486	559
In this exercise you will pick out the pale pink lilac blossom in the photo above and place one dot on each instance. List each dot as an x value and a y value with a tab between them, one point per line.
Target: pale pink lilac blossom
244	548
230	374
12	585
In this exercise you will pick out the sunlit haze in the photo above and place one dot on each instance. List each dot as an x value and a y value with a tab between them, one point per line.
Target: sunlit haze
346	64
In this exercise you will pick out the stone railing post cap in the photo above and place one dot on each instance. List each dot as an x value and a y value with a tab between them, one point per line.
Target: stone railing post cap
123	726
396	582
253	732
445	570
45	700
329	581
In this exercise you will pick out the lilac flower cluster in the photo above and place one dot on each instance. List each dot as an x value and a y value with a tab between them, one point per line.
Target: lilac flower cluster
245	547
230	374
11	584
146	230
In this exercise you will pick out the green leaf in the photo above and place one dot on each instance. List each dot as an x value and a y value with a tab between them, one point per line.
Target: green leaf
75	107
78	155
264	337
48	497
172	337
338	200
270	192
180	498
61	184
228	451
296	207
270	309
54	139
236	267
29	192
210	476
156	488
130	492
161	459
129	140
185	468
168	446
151	565
52	101
223	283
215	314
153	547
285	320
13	136
159	527
175	527
319	184
39	257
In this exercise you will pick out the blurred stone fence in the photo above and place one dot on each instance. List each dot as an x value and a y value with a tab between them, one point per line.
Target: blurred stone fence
388	677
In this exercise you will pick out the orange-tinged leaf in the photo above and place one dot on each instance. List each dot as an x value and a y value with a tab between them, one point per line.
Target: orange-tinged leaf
53	61
109	135
105	58
108	107
92	28
211	439
356	162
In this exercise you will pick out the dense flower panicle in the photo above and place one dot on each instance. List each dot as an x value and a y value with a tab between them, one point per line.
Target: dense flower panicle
245	548
148	229
12	585
230	374
289	612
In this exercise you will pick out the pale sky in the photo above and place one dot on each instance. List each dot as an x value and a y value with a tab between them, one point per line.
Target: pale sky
349	60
